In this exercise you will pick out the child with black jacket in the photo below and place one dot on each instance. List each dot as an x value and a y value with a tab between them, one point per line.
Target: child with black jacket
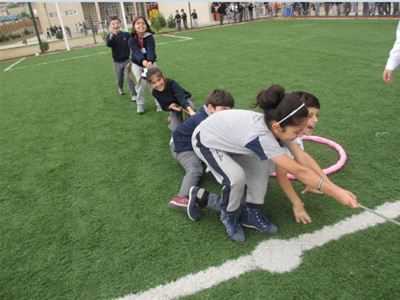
170	96
143	56
182	149
117	40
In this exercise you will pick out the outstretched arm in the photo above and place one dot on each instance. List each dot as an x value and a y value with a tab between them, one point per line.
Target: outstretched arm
307	160
300	214
311	178
394	58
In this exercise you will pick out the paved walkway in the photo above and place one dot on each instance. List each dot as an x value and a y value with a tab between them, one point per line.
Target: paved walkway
55	45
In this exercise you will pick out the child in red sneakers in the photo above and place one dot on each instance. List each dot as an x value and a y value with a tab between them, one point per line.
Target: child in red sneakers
181	144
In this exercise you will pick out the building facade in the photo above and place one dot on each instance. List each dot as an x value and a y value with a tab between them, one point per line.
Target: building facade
74	14
78	15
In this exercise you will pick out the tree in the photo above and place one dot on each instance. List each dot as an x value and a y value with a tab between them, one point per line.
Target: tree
171	22
24	15
158	22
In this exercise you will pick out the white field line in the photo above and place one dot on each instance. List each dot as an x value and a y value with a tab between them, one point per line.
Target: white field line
178	36
180	39
276	256
14	64
62	60
172	42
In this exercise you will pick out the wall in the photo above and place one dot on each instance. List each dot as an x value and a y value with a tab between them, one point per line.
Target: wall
202	9
48	15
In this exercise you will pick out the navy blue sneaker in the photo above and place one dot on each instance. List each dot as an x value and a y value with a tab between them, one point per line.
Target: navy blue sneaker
232	225
254	218
193	209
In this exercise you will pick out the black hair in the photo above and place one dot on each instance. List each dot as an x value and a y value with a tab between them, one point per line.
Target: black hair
113	18
153	71
145	21
219	97
277	105
309	99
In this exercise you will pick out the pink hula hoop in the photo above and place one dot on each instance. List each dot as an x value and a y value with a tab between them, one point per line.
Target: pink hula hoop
331	144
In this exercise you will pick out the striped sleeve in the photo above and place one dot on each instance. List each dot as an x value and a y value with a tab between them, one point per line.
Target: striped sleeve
265	147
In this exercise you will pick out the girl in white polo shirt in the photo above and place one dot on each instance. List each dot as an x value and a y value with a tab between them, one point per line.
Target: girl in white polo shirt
239	147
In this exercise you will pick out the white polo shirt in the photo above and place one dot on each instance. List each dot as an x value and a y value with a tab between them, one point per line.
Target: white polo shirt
239	132
394	58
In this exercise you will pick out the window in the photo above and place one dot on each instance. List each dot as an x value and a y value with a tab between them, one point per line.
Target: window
71	12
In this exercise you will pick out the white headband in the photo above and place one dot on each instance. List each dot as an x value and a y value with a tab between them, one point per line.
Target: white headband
291	114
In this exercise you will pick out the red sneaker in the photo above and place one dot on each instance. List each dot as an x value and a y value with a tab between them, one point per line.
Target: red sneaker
178	202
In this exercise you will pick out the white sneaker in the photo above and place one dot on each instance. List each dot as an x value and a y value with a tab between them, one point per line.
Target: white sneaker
140	108
120	92
133	98
158	108
144	73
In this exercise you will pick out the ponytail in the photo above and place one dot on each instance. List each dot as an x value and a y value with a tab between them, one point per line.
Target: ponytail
285	108
270	98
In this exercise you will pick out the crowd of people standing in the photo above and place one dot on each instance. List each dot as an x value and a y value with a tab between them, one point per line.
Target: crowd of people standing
181	18
232	12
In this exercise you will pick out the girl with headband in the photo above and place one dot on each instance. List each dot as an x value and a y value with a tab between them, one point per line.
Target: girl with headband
240	147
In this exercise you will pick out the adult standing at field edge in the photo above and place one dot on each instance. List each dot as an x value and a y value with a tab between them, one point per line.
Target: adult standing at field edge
194	18
394	59
184	19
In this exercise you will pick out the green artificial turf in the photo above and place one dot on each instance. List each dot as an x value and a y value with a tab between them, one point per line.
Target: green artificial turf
85	181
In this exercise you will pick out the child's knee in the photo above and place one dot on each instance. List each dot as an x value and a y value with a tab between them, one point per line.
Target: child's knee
238	180
197	171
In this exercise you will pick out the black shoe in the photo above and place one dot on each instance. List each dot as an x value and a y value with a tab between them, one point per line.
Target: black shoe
254	218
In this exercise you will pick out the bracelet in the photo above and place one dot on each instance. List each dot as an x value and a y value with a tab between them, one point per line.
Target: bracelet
320	183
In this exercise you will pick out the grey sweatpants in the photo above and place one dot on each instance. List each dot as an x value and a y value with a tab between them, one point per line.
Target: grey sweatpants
141	84
244	177
193	169
121	69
